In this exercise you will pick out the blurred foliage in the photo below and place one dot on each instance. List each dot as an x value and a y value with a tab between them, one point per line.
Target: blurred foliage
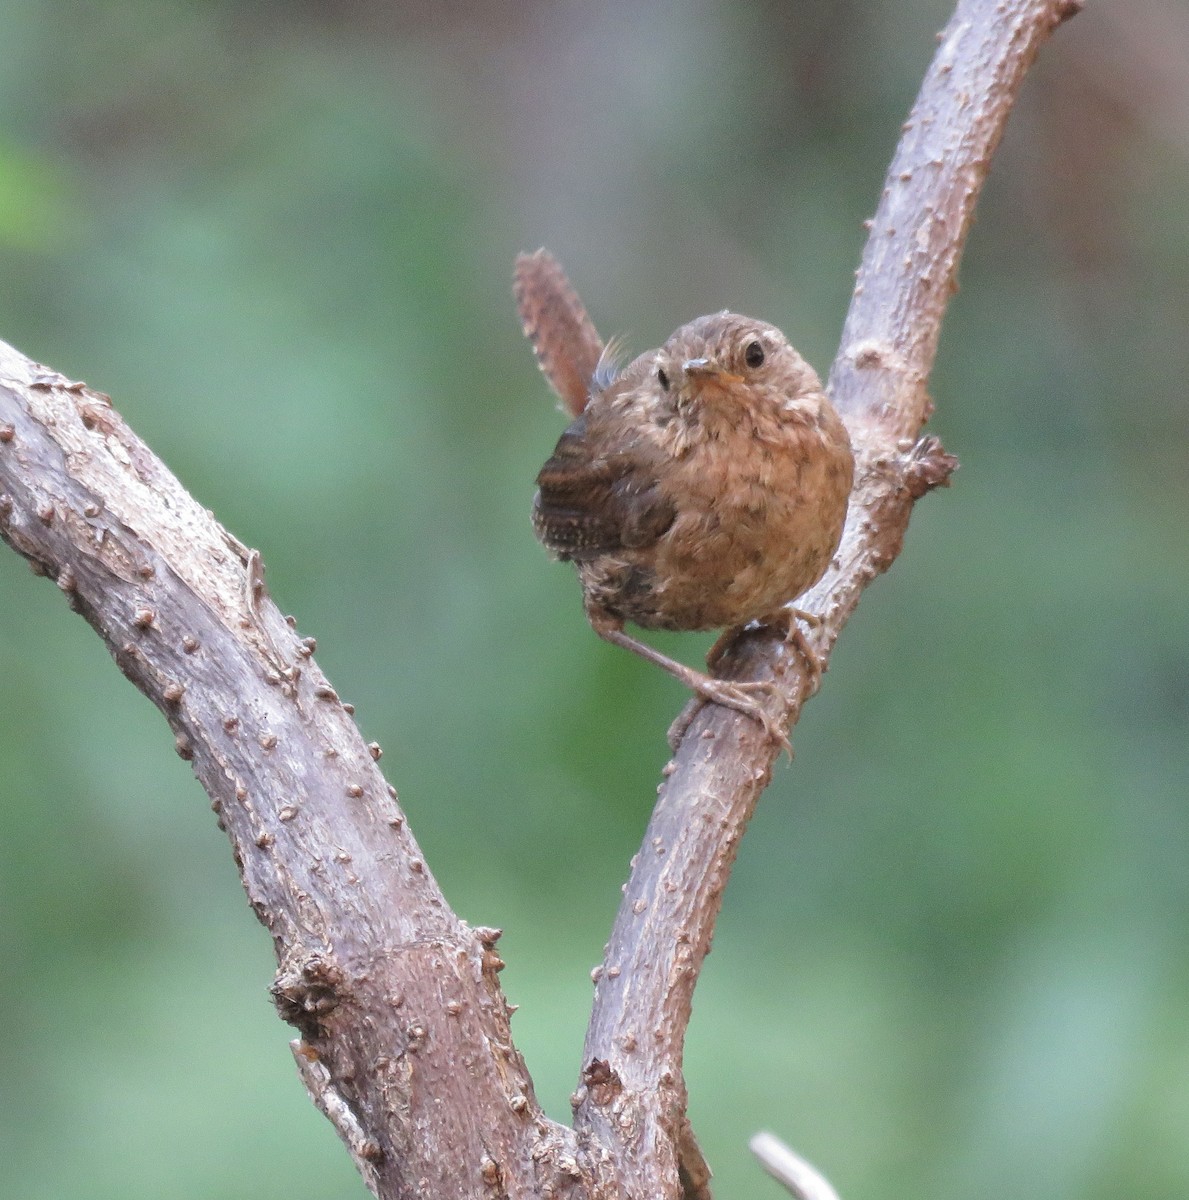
952	959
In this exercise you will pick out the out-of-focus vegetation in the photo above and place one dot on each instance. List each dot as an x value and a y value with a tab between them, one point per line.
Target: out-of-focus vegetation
952	961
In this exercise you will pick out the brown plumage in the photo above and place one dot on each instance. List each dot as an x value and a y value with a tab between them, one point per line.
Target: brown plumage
555	321
703	486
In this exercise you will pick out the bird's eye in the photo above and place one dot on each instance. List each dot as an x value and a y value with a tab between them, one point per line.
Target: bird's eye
662	379
754	355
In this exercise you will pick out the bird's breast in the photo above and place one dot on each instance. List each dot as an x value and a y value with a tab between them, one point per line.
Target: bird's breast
759	513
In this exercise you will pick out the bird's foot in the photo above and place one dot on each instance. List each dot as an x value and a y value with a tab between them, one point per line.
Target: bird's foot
783	621
738	694
787	621
731	693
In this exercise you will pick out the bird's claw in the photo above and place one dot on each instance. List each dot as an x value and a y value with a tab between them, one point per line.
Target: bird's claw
794	636
785	622
739	695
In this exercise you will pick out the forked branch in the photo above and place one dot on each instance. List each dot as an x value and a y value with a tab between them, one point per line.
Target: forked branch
404	1038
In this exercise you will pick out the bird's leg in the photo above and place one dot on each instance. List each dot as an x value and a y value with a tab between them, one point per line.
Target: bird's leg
788	617
731	693
783	620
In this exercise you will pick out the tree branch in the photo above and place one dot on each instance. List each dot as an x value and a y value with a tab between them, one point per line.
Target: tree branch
405	1043
633	1097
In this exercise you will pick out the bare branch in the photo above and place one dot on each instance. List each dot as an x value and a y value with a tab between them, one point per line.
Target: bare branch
405	1041
405	1037
802	1179
633	1098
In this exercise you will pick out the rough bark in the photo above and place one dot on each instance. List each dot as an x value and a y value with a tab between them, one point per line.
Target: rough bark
665	923
405	1043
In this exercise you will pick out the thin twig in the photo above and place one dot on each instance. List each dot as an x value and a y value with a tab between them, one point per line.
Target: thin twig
783	1163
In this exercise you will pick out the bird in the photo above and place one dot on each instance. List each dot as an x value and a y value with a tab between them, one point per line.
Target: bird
702	486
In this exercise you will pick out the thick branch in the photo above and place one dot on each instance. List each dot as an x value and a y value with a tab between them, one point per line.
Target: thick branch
633	1096
405	1042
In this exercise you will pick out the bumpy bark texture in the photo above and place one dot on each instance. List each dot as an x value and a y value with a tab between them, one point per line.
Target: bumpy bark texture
404	1037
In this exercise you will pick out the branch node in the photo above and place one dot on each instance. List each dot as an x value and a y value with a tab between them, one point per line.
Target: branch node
873	353
602	1082
305	993
490	1171
929	466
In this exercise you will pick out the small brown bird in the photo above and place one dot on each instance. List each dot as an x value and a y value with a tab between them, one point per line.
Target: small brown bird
704	485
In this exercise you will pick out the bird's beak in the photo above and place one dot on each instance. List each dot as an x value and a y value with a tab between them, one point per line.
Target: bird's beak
702	370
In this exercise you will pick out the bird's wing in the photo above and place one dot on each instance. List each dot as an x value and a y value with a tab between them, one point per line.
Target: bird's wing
591	502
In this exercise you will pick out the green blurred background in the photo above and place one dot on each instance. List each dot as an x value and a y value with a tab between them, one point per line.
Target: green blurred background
952	960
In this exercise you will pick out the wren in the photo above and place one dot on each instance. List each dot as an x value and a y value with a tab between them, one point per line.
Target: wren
702	486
